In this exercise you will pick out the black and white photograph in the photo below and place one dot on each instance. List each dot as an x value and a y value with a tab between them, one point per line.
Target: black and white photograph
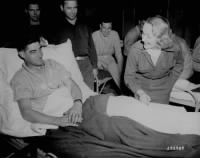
99	79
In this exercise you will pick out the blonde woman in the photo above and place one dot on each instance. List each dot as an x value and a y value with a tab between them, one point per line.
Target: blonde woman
154	63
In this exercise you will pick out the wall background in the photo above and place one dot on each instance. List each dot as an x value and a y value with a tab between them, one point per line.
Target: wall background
183	15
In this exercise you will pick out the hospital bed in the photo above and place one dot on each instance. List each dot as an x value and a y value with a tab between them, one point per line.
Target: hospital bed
11	123
123	128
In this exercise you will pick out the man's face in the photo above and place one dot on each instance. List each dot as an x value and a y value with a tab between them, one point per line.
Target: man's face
70	9
32	55
34	12
149	39
106	28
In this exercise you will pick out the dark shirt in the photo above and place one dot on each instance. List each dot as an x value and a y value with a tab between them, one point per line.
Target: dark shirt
80	36
23	29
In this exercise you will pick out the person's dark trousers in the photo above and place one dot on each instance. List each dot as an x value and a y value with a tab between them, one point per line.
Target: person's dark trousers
195	78
86	70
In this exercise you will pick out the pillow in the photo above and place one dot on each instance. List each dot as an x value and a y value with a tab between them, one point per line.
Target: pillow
64	55
9	62
11	120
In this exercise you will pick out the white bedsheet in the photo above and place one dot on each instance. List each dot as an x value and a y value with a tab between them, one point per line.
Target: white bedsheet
160	117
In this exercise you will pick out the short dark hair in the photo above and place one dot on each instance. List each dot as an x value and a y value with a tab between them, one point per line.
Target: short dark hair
27	38
106	19
63	1
28	2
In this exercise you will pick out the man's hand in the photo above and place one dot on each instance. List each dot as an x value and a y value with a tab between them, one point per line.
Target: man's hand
64	121
74	114
95	72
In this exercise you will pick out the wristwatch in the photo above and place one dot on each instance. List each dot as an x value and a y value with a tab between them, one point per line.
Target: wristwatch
78	100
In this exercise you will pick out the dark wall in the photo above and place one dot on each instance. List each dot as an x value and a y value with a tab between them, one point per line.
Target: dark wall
182	15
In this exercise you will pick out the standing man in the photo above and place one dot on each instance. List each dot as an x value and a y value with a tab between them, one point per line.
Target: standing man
33	22
33	12
74	28
30	23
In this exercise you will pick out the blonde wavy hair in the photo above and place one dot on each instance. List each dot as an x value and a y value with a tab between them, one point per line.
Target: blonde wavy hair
161	30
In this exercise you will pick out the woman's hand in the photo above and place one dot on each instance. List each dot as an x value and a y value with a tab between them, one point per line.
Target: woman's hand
143	97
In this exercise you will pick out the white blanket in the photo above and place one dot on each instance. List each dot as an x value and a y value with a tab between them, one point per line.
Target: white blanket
160	117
